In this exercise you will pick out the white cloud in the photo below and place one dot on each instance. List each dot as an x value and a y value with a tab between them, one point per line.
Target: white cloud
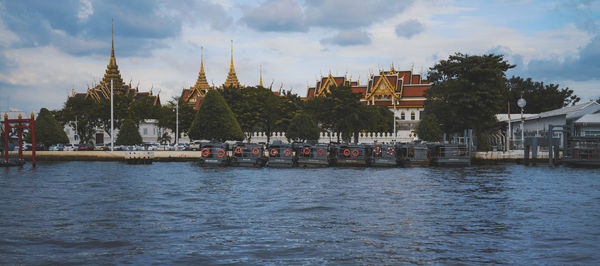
85	10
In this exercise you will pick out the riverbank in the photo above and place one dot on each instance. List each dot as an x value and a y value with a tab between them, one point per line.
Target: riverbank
161	156
491	157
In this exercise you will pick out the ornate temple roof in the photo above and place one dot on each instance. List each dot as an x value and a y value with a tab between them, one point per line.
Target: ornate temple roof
112	69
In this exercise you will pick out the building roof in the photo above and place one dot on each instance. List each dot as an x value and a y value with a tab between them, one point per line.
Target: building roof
589	119
571	112
515	117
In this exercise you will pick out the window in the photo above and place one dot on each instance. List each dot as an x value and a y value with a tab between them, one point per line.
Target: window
412	115
145	131
592	133
402	116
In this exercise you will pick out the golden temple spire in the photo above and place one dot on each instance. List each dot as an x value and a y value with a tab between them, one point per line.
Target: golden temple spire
231	80
231	68
201	59
201	83
113	60
112	69
260	80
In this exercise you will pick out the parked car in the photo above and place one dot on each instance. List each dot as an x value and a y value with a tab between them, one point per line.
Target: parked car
195	146
99	147
71	147
85	147
56	147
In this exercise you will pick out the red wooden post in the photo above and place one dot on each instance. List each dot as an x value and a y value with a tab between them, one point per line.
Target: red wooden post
6	130
20	130
32	129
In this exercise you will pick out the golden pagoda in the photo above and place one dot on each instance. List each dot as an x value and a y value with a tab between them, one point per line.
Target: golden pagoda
112	69
194	94
232	80
101	91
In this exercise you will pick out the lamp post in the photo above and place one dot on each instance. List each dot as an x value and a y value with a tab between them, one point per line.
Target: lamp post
521	103
112	120
177	124
394	102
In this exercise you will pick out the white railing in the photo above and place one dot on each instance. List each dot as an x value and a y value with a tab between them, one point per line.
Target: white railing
368	137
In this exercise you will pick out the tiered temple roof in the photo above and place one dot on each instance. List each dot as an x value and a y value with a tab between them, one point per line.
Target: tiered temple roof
196	93
406	88
101	91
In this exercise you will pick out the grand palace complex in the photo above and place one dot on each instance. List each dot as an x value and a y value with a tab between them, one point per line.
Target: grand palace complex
401	91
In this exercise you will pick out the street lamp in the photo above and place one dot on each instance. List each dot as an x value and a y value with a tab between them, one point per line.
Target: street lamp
521	103
177	124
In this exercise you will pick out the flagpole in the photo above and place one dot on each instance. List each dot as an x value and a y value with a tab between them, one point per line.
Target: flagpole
112	123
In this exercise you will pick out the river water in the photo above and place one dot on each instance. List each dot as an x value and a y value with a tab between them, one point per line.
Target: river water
178	213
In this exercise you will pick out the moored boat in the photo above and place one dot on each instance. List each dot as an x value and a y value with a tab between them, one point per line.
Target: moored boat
281	155
449	154
410	155
347	154
312	155
248	154
583	151
214	154
383	155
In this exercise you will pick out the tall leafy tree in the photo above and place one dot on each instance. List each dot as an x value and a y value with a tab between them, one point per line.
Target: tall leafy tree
167	117
47	130
83	115
467	91
215	120
129	133
540	97
428	128
301	128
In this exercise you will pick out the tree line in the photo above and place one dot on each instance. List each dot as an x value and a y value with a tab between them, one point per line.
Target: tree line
467	92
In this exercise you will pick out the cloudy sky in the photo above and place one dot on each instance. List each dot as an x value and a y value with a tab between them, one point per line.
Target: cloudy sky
47	48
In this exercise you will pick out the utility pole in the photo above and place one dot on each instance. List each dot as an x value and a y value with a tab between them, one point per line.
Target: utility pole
394	103
509	133
177	124
112	123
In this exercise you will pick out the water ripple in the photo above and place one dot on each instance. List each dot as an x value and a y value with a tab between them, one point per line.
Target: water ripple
166	213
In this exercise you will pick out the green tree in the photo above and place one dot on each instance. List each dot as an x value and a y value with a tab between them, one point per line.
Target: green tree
129	133
349	114
467	91
259	109
302	127
428	128
167	117
540	97
83	115
215	120
47	130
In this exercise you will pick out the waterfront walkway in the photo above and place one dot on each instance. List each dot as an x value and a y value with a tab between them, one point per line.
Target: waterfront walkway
494	156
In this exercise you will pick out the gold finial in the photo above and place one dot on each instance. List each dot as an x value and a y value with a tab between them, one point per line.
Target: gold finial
392	70
151	89
31	114
20	116
113	61
231	68
73	92
5	116
201	58
260	81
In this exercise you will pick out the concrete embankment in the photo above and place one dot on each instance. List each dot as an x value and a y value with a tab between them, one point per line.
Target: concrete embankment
513	156
161	156
491	157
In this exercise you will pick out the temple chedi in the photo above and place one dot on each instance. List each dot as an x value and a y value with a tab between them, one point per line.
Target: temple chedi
232	80
101	91
196	93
